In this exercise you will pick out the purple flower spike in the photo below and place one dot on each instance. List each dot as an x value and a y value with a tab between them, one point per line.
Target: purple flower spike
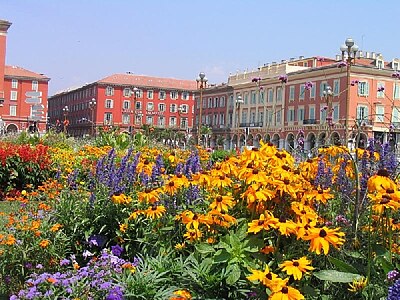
283	78
117	250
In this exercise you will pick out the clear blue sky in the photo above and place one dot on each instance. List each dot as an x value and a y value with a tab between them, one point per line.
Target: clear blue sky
80	41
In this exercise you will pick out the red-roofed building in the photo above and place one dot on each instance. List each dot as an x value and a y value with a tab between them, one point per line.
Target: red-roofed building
126	101
16	114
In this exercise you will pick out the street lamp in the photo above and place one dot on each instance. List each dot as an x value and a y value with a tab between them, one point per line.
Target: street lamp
135	92
327	95
201	85
349	48
92	106
239	101
65	112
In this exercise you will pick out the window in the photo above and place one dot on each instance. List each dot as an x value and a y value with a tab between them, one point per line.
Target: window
396	91
127	92
184	108
174	95
396	116
395	66
13	110
216	102
261	98
253	117
127	104
109	91
126	119
380	90
172	108
379	63
108	117
184	123
279	94
335	112
336	87
380	113
35	85
261	117
279	117
246	98
161	95
138	105
311	112
300	114
149	120
271	95
363	88
109	103
253	97
14	83
312	92
302	92
172	121
244	117
161	121
270	119
138	119
323	113
14	95
291	93
362	112
150	94
322	88
290	115
161	107
150	106
185	95
222	102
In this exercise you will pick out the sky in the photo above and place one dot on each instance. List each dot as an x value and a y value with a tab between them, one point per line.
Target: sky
75	42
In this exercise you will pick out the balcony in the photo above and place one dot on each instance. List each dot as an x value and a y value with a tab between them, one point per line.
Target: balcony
253	124
309	121
364	122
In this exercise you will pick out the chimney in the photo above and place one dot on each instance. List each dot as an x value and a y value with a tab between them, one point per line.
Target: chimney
292	59
373	55
360	54
301	57
367	55
4	25
338	57
283	61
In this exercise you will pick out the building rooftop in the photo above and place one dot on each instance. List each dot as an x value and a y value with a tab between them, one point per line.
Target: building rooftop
149	81
15	71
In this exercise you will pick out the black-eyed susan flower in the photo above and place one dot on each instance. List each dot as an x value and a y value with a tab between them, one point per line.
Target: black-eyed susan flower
193	235
149	195
285	292
321	238
296	267
266	277
155	211
181	295
222	202
265	222
358	284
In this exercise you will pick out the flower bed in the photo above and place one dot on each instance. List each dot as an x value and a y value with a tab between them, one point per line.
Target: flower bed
172	224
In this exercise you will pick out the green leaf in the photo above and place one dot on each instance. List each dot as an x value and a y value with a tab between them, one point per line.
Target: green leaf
234	274
386	265
221	256
354	254
336	276
379	250
204	248
342	266
235	241
310	291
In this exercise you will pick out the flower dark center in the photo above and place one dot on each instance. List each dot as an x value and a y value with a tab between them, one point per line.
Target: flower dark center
255	171
171	183
296	264
260	222
195	217
222	177
384	201
322	233
146	162
147	190
286	168
219	199
390	191
383	172
285	290
286	181
269	276
179	175
320	192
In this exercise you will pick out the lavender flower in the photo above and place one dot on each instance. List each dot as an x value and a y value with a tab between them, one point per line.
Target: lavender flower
283	78
394	291
393	275
117	250
115	294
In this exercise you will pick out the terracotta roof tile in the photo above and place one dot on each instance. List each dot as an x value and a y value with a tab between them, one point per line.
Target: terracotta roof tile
141	80
15	71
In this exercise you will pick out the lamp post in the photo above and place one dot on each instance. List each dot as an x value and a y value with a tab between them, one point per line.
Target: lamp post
65	112
349	48
239	100
327	94
135	92
201	85
92	106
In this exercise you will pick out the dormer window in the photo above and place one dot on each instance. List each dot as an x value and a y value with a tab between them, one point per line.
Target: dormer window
395	65
379	63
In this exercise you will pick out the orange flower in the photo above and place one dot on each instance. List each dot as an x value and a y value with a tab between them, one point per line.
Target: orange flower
51	280
154	211
123	227
322	237
55	227
222	203
44	243
181	295
296	267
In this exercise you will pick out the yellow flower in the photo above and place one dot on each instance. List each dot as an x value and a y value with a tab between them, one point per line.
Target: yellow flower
322	237
181	295
193	234
180	246
296	267
358	285
222	203
285	293
23	193
123	227
154	211
121	199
